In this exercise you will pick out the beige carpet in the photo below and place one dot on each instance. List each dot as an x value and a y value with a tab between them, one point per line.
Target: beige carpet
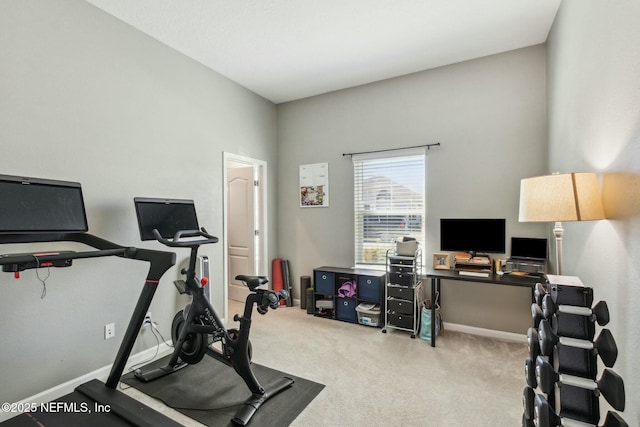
376	379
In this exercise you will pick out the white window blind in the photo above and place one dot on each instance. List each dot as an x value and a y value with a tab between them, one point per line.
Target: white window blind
389	204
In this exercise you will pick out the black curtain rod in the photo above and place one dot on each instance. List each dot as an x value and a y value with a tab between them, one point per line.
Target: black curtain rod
394	149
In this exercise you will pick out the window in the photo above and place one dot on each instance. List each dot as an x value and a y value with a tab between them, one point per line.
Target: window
389	204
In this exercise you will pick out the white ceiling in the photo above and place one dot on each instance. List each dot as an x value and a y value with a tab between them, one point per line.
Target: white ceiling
290	49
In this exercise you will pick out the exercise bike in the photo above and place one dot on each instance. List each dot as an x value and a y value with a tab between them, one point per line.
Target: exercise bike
197	327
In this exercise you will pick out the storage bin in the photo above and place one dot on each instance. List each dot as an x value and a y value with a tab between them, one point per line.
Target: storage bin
407	248
368	314
346	309
324	282
369	288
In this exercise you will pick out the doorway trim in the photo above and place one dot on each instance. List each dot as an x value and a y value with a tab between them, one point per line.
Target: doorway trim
260	199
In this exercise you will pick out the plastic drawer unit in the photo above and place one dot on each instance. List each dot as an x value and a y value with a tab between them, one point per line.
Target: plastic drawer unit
403	293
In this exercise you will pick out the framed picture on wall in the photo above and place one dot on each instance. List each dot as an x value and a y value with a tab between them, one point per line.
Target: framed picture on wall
441	261
314	185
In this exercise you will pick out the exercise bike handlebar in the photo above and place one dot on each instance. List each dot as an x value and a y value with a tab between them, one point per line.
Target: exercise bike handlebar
176	241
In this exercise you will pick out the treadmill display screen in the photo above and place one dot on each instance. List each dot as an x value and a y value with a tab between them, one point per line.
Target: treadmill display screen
168	216
34	205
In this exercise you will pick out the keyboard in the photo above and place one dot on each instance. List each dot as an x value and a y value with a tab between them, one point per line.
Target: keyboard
473	273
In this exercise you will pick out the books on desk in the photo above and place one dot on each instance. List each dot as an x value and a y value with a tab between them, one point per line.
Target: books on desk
478	266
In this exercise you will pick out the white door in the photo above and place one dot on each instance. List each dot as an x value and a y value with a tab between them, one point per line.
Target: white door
241	227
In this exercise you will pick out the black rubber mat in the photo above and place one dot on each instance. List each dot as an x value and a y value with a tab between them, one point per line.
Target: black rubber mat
211	393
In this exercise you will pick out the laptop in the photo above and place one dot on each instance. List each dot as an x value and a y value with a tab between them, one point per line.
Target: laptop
528	249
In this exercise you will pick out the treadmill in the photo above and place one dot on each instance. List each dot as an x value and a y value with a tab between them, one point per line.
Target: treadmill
43	210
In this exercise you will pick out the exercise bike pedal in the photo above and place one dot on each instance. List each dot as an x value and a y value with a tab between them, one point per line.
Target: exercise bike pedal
181	286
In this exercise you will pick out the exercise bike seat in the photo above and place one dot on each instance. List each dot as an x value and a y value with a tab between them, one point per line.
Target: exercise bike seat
253	281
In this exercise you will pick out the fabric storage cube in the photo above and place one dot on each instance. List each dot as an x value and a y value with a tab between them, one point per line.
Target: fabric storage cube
324	282
369	288
346	309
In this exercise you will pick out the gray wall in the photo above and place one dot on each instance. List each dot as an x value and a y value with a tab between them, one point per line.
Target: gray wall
84	97
489	115
594	126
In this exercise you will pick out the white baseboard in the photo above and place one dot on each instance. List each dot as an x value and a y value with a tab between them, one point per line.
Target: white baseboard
101	374
489	333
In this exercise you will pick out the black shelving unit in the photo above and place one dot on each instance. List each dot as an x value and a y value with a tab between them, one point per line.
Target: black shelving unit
337	291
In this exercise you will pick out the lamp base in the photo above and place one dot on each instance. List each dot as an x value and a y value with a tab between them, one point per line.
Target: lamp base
558	232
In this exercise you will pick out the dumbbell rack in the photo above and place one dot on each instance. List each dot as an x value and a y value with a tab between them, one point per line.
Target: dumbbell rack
554	314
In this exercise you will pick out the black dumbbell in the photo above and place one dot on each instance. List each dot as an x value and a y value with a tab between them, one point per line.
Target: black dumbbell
599	313
536	314
539	291
604	345
610	384
544	416
528	402
530	372
533	343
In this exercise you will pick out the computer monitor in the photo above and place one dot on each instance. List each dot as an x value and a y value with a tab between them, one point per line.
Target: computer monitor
474	235
36	205
168	216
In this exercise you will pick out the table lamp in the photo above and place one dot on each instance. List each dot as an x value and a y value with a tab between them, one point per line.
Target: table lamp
560	197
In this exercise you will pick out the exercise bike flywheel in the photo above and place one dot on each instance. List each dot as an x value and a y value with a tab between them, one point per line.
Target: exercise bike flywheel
195	345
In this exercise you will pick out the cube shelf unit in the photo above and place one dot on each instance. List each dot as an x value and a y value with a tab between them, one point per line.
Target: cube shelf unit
329	301
403	292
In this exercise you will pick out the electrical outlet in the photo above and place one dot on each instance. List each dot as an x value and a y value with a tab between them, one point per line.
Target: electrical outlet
109	331
147	320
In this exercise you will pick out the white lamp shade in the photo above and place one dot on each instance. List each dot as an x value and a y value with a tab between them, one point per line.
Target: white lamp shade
561	197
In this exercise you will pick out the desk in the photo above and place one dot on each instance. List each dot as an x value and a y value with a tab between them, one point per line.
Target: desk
505	279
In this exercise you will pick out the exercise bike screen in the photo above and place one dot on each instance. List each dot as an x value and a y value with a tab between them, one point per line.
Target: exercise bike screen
34	205
168	216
